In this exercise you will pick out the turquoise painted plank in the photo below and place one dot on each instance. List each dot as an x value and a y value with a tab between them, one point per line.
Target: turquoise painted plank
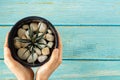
72	12
76	70
84	42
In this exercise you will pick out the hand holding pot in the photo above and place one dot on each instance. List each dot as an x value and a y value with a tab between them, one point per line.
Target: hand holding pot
23	73
48	68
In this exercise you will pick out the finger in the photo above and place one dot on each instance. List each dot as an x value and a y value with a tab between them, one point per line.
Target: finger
60	53
60	48
55	64
7	55
59	61
52	62
8	59
6	41
54	57
60	42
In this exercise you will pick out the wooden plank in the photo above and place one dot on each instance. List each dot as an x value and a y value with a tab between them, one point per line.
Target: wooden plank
62	12
76	70
84	42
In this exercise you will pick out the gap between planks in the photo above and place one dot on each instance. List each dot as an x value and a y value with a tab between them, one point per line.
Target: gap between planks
85	59
7	25
76	25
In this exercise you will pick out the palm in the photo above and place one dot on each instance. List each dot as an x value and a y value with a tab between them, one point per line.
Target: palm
19	70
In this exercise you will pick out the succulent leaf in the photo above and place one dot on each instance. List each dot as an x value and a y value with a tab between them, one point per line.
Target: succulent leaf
30	32
23	40
32	52
37	32
41	36
25	52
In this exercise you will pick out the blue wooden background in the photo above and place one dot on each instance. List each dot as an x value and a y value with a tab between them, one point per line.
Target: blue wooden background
90	31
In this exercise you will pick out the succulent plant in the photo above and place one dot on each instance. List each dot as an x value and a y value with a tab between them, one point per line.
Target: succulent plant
33	42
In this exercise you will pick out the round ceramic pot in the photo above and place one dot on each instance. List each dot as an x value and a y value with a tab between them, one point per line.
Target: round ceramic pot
13	34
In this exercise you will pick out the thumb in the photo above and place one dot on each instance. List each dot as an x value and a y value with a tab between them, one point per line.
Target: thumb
7	55
54	56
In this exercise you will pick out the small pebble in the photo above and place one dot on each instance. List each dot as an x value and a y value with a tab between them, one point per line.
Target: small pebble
22	54
42	58
34	35
45	51
49	37
27	34
38	51
34	26
50	44
25	26
24	37
33	58
39	34
17	44
42	41
21	32
24	44
49	31
43	27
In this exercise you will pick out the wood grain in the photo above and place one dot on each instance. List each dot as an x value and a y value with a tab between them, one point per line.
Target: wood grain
76	70
90	32
79	42
72	12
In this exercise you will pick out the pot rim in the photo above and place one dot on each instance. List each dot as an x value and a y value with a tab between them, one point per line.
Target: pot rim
15	28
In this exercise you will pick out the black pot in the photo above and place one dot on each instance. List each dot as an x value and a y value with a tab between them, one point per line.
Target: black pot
13	34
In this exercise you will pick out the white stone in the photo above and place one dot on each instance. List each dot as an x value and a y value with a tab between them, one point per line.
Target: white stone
38	51
43	27
24	37
22	54
42	58
42	41
27	34
50	44
32	59
49	37
21	32
34	26
24	44
16	38
34	35
39	34
49	31
46	51
25	26
17	44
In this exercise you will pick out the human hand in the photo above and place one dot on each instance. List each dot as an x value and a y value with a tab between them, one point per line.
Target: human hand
23	73
48	68
20	71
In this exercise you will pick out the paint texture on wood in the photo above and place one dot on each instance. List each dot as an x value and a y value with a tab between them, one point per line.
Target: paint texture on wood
62	12
76	70
90	32
83	42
